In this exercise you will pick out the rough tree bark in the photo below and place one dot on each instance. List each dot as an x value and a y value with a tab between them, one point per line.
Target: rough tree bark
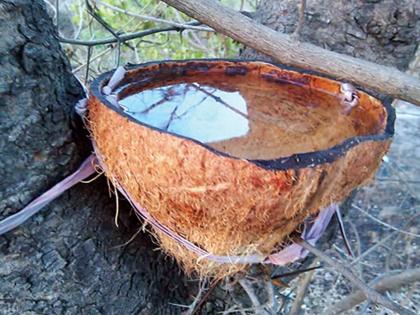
383	31
64	260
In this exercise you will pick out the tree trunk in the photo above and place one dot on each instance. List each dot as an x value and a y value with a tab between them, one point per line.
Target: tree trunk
66	260
383	31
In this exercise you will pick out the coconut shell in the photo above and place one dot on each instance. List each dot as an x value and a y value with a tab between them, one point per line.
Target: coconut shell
226	199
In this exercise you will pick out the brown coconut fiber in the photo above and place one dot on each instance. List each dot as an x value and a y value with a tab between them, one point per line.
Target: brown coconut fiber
244	195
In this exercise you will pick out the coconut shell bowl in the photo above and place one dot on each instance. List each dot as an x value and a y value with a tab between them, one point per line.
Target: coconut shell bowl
234	155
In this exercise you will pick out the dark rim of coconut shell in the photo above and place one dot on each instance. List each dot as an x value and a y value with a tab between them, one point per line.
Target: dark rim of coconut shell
294	161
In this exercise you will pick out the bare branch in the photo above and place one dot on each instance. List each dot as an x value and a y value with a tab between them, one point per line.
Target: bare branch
250	292
102	53
155	19
384	223
302	289
122	38
343	232
371	294
301	20
204	298
384	284
284	49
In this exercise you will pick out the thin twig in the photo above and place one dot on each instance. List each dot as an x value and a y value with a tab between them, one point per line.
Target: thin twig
296	272
343	232
301	21
250	292
267	308
384	223
371	294
197	299
303	288
78	68
79	28
383	241
272	304
205	297
89	53
357	237
108	27
219	100
155	19
122	38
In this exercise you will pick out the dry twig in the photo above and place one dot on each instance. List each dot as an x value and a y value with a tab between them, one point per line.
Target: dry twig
383	284
266	308
343	232
155	19
302	289
122	38
370	293
301	20
384	223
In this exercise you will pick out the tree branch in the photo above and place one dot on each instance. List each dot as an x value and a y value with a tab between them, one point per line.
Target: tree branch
154	19
386	283
302	289
122	38
301	20
370	293
284	49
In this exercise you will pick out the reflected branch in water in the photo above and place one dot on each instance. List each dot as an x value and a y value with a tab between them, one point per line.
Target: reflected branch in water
219	100
193	106
168	95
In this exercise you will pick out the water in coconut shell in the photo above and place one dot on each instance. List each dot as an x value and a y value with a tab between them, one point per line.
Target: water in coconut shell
244	117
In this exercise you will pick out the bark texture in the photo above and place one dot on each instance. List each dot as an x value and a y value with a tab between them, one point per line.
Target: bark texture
64	260
37	92
383	31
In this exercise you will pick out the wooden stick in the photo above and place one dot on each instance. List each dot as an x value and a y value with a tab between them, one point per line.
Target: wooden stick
302	289
385	283
286	50
301	21
370	293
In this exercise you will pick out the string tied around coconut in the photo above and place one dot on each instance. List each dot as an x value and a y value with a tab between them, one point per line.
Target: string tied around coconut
313	228
217	208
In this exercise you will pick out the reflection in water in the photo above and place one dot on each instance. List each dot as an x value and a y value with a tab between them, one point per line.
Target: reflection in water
200	112
246	116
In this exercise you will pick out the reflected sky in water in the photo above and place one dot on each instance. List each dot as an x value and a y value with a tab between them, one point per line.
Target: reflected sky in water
200	112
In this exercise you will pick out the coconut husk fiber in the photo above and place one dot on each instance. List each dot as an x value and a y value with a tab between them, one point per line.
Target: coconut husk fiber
244	195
